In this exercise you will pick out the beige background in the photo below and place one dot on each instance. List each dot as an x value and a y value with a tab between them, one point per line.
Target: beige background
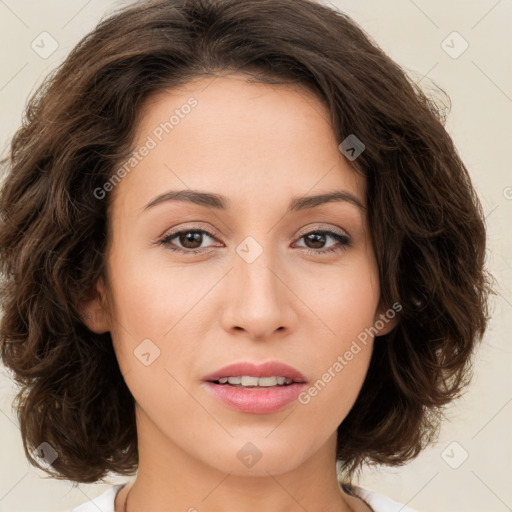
479	82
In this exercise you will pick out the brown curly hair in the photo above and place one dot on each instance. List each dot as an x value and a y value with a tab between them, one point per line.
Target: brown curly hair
426	221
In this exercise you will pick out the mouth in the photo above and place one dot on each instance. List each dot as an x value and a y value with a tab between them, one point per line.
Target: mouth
246	374
249	381
253	388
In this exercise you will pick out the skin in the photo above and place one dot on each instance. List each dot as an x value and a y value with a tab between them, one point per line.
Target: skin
259	145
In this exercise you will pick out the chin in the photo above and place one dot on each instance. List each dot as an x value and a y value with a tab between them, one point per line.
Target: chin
258	458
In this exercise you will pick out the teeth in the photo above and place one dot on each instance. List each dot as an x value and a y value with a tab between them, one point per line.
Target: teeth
246	380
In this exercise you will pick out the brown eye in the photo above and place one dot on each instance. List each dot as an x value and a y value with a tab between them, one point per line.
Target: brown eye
189	239
315	240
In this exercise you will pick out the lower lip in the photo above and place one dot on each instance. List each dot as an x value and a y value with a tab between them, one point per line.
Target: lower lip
256	400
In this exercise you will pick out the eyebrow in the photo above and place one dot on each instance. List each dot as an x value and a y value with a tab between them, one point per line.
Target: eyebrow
221	202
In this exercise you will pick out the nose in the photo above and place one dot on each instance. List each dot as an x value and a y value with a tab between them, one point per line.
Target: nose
259	301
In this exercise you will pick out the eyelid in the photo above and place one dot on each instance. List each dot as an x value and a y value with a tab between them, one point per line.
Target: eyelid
194	227
324	227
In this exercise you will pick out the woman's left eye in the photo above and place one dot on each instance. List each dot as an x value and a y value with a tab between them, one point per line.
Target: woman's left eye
192	239
319	237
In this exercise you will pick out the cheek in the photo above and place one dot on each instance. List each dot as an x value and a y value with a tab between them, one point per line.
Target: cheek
151	299
159	321
341	357
338	380
343	304
343	299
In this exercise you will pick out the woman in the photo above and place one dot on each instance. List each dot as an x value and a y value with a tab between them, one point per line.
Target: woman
241	259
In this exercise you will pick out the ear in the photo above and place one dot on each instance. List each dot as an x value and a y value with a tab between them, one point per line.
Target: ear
94	312
386	318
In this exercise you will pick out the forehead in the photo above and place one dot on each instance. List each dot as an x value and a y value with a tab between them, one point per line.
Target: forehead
227	135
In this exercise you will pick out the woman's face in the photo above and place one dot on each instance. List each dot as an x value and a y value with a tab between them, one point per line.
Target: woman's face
261	287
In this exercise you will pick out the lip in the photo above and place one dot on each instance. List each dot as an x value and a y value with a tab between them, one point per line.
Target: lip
266	369
255	401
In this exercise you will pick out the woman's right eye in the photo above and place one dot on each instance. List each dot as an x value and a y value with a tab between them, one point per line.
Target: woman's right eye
187	238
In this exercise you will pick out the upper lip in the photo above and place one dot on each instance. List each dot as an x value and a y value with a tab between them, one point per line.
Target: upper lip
266	369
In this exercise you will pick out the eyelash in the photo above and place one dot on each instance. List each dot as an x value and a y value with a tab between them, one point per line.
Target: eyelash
343	240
